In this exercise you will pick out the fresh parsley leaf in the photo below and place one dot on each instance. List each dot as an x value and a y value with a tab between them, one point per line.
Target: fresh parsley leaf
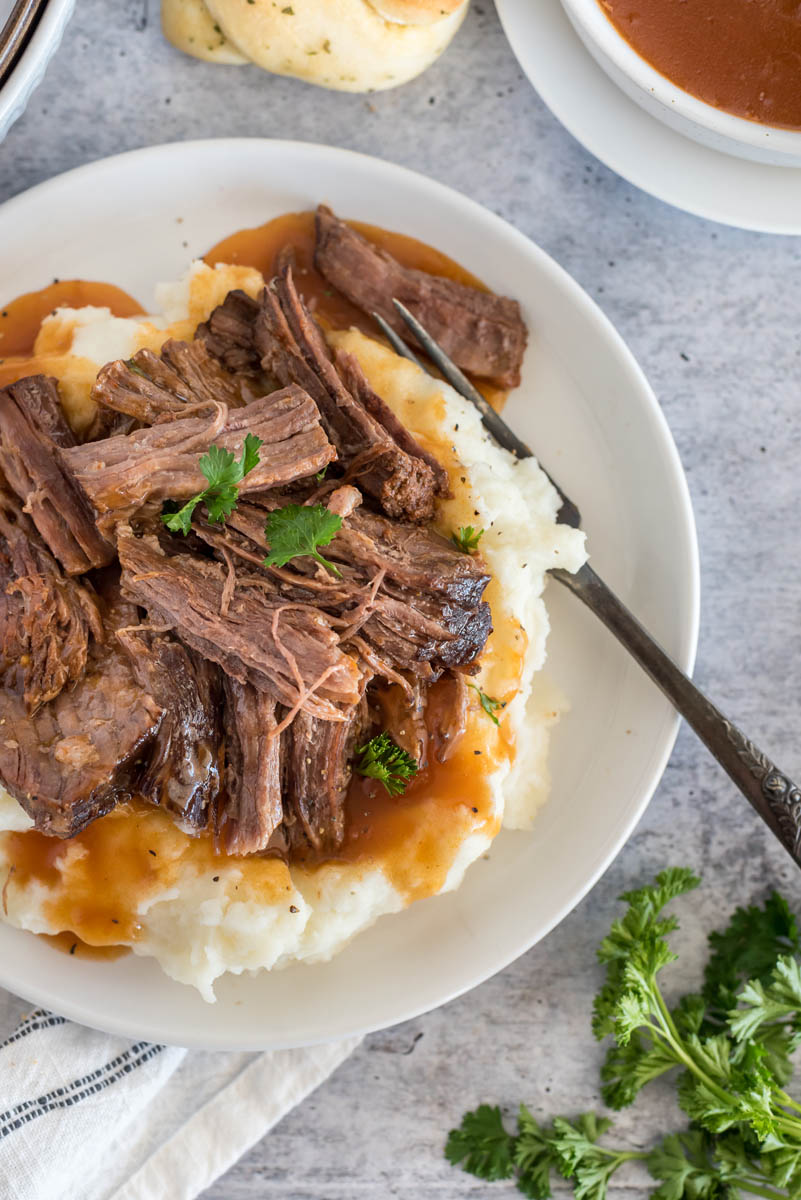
747	949
180	521
466	538
771	1004
137	370
488	703
298	529
534	1156
745	1136
223	474
320	476
627	1069
481	1145
383	759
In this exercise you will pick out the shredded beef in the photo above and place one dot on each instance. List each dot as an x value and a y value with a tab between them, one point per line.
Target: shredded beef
75	758
252	809
426	612
151	387
290	651
482	333
317	775
229	334
33	442
294	350
46	618
181	771
123	473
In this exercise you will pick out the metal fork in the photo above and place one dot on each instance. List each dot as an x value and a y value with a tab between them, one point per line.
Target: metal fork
774	795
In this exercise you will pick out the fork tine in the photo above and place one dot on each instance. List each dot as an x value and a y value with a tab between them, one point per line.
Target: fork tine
493	421
396	341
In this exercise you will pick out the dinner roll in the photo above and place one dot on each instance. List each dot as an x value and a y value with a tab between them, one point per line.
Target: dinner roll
342	44
190	27
415	12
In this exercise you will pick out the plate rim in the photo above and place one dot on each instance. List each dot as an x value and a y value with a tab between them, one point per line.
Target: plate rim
226	1039
633	169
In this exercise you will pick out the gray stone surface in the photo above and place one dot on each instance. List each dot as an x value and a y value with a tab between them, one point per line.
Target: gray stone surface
713	316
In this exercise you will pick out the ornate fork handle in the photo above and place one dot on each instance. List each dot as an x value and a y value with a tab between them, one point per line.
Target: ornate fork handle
774	795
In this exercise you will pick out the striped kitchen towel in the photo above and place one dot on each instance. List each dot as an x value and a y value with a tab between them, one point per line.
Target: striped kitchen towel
88	1116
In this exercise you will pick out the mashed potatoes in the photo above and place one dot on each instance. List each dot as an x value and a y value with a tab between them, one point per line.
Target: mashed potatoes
134	878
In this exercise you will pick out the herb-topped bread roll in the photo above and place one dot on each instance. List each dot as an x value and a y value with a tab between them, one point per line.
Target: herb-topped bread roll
349	45
189	25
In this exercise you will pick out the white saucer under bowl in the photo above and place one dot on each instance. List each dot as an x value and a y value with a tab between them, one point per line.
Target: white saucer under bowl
706	182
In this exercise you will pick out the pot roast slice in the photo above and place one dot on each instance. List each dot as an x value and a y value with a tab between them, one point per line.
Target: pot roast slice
46	617
317	773
251	809
151	387
181	771
482	333
34	436
76	757
287	650
229	334
294	350
120	474
404	590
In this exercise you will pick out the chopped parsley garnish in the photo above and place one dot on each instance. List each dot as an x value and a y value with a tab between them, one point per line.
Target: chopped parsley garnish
384	760
729	1050
298	529
488	703
466	538
224	474
320	476
137	370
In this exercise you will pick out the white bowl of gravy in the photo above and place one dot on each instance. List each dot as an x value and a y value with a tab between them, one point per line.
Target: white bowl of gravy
723	72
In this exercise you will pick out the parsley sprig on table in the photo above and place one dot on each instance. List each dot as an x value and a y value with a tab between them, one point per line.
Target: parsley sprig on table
224	474
298	529
383	759
731	1044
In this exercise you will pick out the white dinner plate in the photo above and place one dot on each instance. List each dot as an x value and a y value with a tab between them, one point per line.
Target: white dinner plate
584	404
622	135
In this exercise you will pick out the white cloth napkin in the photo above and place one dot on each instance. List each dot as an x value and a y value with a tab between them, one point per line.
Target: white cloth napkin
84	1114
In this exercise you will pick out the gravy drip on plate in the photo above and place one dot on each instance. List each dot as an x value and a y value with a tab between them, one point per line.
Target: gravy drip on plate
262	247
741	56
21	319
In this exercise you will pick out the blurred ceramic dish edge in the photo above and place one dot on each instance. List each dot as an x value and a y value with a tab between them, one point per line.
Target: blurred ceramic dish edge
643	151
30	69
678	109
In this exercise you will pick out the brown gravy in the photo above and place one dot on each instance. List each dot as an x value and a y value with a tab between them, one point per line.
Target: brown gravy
742	56
21	319
260	248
